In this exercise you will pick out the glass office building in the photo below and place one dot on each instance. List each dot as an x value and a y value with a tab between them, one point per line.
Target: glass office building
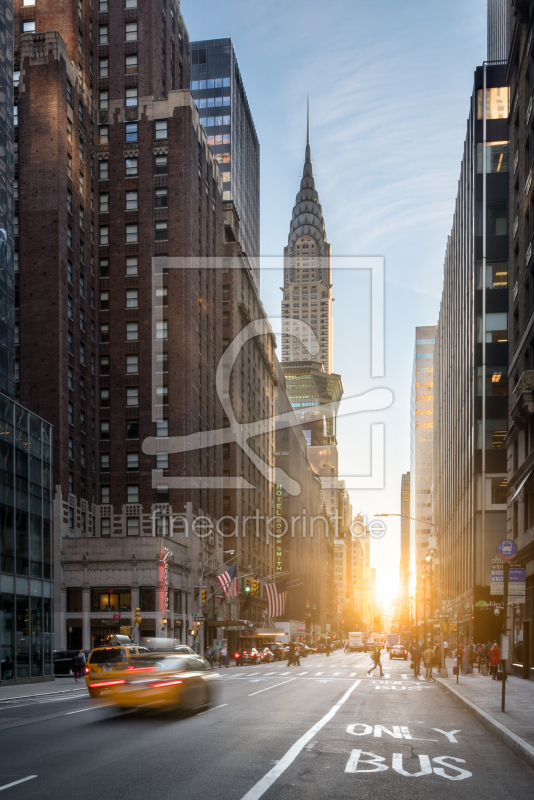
219	94
26	576
7	286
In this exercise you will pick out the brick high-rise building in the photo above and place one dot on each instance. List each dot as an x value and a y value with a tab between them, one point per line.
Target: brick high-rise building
115	347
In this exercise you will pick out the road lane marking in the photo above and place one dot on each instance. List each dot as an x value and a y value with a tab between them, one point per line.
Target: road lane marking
22	780
212	709
318	673
271	687
270	673
352	674
267	781
91	708
286	673
303	673
336	673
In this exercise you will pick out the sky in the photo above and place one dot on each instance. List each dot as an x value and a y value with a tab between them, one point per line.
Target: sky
389	86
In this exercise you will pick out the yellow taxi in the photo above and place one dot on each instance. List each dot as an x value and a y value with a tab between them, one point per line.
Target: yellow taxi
165	680
107	663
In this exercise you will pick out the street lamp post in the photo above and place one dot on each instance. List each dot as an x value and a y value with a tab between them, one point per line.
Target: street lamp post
201	646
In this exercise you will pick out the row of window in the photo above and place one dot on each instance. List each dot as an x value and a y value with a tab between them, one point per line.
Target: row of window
161	233
132	461
132	496
132	429
132	266
213	122
132	396
131	167
130	33
131	201
132	298
132	331
213	102
210	83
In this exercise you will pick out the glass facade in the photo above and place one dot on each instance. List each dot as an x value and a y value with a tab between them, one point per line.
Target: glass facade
26	588
7	282
219	94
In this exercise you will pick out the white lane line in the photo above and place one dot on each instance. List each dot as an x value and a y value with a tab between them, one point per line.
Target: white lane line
286	673
92	708
271	687
270	673
22	780
352	674
212	709
336	673
303	673
318	673
267	781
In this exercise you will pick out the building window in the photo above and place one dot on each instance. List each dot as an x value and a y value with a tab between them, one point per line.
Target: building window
104	301
132	331
130	65
102	6
104	365
162	493
132	266
70	307
103	34
69	129
161	329
161	296
160	165
132	364
69	237
28	27
104	235
104	398
103	133
103	70
132	429
104	268
162	395
103	99
496	327
71	413
82	319
160	198
104	462
162	461
132	298
130	32
105	495
131	167
132	493
131	96
82	354
82	455
132	396
70	378
130	3
131	201
131	234
132	526
131	132
103	170
161	232
71	518
71	447
105	526
162	428
132	462
104	203
69	94
104	430
160	129
104	333
70	343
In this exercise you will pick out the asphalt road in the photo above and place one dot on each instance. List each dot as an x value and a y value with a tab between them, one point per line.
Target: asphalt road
322	730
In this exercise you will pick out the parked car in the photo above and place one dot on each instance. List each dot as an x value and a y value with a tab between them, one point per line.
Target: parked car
249	656
267	655
399	651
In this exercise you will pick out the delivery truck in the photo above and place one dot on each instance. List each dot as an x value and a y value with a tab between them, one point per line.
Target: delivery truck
356	643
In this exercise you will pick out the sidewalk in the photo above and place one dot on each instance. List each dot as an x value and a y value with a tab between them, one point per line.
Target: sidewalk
482	696
60	685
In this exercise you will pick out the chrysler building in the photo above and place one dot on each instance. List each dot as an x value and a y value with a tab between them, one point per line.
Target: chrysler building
307	276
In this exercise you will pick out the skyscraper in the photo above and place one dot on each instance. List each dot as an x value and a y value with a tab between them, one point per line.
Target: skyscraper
7	281
469	477
421	449
404	571
219	93
307	277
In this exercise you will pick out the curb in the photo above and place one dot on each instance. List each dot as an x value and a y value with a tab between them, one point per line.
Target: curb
514	742
41	694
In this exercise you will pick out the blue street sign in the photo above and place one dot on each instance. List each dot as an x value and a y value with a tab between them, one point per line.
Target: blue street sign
507	549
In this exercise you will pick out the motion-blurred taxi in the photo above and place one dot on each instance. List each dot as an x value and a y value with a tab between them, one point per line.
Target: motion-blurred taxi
165	681
106	664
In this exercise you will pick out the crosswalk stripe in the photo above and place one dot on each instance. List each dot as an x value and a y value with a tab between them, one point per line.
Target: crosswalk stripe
318	673
270	673
337	673
285	673
352	674
303	673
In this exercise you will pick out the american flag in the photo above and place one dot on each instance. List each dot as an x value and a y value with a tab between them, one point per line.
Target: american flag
276	598
228	582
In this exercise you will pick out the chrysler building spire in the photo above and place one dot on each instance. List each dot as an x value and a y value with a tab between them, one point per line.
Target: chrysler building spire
307	274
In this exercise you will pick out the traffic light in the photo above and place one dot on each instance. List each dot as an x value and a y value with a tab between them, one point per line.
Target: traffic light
136	616
254	587
193	631
203	596
248	586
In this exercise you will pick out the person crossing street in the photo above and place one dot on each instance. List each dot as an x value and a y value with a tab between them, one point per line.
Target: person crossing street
375	656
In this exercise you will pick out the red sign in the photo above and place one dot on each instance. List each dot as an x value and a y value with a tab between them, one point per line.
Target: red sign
116	616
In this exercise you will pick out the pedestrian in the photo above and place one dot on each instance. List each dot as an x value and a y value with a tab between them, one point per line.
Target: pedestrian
445	649
495	660
291	654
328	649
223	652
297	655
437	657
416	655
79	665
209	656
428	657
375	656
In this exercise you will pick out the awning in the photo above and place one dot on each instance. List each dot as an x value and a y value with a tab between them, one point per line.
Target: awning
529	473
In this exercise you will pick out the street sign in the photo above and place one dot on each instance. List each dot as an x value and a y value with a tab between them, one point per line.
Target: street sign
507	549
505	647
517	581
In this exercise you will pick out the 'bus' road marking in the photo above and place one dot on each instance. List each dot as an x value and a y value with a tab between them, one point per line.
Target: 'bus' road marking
22	780
267	781
271	687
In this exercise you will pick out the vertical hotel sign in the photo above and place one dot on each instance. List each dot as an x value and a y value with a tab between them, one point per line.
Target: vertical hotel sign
164	578
279	531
